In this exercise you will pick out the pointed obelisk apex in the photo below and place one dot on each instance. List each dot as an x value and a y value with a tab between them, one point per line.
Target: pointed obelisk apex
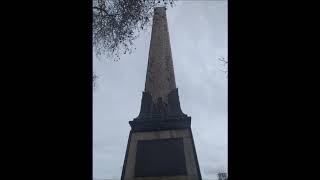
160	79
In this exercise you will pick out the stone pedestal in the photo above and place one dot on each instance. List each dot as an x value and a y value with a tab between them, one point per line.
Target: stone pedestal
161	155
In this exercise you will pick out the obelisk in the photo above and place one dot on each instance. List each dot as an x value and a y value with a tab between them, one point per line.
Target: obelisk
160	145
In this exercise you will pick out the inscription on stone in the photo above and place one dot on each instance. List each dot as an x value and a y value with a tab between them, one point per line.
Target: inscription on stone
163	157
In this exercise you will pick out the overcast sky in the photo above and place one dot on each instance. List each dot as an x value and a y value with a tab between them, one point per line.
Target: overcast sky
198	36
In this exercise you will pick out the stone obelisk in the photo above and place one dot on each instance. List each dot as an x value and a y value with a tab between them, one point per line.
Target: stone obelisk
160	145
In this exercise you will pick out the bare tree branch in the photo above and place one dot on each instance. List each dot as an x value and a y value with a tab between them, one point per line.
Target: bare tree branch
223	60
103	10
94	80
117	23
225	63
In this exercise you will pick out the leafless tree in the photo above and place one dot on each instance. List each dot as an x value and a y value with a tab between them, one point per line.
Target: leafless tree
117	23
94	80
225	63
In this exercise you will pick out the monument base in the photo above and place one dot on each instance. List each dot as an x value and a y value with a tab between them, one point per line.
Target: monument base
161	155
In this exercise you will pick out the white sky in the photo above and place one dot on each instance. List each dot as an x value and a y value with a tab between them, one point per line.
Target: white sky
198	36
